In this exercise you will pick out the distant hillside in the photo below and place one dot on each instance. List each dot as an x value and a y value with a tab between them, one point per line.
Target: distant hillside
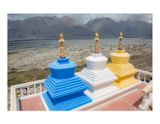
109	28
50	27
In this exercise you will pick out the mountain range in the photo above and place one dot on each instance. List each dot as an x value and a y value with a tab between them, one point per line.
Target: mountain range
50	27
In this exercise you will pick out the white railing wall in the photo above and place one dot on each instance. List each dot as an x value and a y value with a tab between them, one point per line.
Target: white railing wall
144	76
146	103
25	89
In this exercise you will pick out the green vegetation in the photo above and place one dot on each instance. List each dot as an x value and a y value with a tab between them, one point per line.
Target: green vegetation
80	67
15	77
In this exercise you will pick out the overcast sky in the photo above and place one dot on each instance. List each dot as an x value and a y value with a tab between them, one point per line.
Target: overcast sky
84	18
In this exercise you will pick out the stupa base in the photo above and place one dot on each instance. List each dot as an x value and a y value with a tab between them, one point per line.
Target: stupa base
123	83
68	104
101	92
97	79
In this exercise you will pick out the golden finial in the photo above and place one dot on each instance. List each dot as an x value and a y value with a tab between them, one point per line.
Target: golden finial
97	49
120	45
61	46
120	34
96	36
61	39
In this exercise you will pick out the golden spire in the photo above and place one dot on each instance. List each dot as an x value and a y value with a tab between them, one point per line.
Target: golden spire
97	48
61	46
120	45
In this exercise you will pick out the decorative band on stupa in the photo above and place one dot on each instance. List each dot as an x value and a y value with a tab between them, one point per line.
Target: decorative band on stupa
121	67
96	75
65	91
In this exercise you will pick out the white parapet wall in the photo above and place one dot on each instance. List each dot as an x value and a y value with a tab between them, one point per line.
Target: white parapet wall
17	92
146	103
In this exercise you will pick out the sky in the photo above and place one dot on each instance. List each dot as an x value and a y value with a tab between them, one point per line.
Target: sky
84	18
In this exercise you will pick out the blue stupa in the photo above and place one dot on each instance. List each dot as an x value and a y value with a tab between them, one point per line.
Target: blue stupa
65	91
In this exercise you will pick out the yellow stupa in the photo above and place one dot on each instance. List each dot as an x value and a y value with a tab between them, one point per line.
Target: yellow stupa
121	67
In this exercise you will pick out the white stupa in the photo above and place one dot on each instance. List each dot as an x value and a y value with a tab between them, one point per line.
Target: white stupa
96	75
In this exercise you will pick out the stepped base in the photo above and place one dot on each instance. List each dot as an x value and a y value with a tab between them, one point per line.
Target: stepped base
123	83
102	92
58	88
99	82
68	104
123	70
95	79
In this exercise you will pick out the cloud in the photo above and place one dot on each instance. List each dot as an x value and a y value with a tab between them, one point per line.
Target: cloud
84	18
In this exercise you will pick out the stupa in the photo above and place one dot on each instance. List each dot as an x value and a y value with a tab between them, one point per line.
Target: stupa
121	67
96	75
65	91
